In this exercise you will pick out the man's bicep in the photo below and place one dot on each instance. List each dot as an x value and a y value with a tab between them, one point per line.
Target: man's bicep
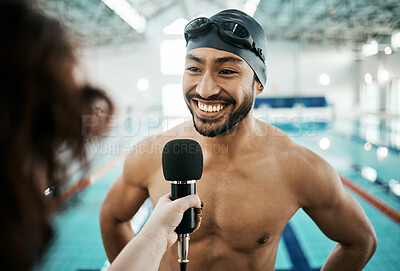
342	219
123	200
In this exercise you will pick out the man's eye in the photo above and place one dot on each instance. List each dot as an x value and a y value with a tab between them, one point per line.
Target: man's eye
193	69
227	72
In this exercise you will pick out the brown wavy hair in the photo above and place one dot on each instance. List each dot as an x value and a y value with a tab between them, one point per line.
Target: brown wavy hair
41	109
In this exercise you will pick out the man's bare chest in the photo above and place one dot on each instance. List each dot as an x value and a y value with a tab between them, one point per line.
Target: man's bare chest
248	204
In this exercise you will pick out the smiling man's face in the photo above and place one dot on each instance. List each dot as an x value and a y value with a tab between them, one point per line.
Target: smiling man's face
219	89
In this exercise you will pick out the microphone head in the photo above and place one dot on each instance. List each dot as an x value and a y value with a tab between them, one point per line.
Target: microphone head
182	160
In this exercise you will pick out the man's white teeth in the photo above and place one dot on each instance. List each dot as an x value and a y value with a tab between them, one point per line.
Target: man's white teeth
210	108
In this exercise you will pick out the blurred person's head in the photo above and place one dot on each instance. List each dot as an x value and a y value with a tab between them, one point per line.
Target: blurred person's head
41	108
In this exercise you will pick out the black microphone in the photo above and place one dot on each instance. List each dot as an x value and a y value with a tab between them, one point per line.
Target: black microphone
182	162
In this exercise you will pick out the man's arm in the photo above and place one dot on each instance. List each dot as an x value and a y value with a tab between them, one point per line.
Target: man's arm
339	216
122	202
345	222
126	196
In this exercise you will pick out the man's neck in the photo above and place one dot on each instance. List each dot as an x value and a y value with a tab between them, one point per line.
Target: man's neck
239	138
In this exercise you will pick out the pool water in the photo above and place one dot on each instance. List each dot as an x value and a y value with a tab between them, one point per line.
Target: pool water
77	244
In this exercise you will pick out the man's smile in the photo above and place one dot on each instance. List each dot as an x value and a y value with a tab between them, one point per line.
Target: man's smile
209	109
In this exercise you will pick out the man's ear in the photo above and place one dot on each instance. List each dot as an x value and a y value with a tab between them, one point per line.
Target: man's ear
260	87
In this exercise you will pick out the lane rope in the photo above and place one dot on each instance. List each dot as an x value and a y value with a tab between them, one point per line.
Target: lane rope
383	207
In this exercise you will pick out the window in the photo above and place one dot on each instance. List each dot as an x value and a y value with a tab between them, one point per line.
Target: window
173	103
369	97
393	108
369	103
393	98
172	61
172	53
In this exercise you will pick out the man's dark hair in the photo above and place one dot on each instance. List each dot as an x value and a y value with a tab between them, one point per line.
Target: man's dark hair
41	108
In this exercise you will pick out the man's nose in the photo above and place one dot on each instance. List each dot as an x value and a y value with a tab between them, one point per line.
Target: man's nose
207	86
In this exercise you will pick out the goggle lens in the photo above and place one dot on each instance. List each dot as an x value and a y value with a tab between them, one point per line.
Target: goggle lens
197	24
235	29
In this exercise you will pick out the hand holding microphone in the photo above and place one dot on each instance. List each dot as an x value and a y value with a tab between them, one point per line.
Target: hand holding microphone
182	162
166	217
144	252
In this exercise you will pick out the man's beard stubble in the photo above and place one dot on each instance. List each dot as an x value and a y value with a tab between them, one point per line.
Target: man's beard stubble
235	118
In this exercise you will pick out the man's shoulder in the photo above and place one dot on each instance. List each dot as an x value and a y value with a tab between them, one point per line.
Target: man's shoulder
151	147
144	158
282	147
273	140
309	175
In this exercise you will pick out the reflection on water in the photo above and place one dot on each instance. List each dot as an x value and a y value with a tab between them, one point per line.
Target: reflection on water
377	130
369	128
395	135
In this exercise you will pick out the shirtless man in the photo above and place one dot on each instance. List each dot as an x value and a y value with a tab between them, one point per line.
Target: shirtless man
254	183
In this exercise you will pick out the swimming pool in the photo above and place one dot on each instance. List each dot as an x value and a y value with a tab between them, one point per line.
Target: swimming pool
77	244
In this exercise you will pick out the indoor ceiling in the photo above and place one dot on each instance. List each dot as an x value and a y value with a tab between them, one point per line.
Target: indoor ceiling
338	21
341	22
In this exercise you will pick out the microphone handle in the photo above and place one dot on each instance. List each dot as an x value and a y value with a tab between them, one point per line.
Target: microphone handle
179	190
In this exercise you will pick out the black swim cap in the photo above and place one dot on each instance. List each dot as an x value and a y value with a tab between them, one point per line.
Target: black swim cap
212	39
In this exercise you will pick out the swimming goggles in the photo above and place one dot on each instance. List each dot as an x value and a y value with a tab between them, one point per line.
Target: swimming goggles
229	31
